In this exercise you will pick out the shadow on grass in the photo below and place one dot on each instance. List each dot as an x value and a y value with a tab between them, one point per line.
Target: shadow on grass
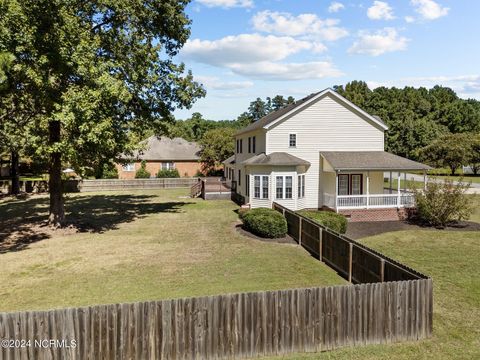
23	222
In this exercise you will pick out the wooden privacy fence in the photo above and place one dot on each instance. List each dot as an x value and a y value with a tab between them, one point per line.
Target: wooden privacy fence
354	261
135	184
228	326
390	302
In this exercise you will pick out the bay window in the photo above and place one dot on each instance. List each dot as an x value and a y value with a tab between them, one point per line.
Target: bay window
260	187
284	187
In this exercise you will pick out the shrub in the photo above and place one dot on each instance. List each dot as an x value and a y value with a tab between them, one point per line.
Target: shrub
264	222
109	172
142	173
199	173
331	220
443	203
168	173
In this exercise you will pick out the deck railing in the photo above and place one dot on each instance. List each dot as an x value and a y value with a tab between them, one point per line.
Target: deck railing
400	200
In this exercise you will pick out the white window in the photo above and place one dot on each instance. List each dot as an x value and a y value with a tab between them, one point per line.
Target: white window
264	186
260	184
292	140
284	187
128	167
301	186
168	165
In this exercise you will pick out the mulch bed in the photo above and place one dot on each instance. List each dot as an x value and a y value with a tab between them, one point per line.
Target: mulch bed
358	230
284	240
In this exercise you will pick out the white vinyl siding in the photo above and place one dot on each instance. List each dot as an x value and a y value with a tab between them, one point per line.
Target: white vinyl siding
326	125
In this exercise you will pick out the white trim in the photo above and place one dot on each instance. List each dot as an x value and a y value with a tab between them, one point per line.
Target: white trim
319	95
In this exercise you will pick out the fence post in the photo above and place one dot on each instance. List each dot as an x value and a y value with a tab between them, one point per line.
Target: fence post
382	270
350	265
320	242
300	231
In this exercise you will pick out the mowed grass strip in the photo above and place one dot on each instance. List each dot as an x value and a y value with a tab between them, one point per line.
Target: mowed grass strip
138	246
452	260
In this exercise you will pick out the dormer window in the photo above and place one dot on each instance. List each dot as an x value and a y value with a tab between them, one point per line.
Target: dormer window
292	140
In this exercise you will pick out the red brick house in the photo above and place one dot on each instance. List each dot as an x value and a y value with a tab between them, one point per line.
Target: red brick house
164	153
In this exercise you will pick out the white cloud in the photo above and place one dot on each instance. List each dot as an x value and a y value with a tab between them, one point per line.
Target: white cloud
245	48
380	10
214	83
227	3
257	56
267	70
379	42
302	25
335	7
429	9
409	19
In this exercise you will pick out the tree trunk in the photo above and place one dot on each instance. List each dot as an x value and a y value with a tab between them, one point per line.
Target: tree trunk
14	175
452	170
57	211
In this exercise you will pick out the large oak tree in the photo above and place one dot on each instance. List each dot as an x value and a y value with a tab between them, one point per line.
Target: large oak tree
97	71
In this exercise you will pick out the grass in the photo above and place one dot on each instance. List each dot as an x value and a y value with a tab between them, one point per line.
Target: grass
145	245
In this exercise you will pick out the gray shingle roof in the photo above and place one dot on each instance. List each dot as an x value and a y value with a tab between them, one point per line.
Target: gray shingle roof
230	160
276	158
370	160
164	148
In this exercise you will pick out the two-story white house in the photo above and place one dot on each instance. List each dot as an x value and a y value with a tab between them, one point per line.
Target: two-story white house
320	152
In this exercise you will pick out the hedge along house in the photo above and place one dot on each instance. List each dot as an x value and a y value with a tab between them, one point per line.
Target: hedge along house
320	152
163	153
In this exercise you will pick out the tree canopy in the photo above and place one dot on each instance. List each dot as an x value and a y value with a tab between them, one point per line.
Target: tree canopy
415	116
96	71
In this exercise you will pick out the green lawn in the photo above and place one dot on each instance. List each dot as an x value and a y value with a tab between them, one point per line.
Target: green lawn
141	246
452	259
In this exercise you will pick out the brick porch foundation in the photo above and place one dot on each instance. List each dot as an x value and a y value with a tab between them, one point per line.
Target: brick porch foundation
358	215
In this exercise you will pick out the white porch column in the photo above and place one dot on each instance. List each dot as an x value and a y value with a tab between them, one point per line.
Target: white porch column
336	191
391	182
368	189
425	178
405	182
399	179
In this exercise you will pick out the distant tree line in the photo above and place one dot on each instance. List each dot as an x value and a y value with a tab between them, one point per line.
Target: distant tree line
432	125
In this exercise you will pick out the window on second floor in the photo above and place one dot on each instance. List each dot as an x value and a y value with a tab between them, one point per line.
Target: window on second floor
292	140
249	145
254	150
241	146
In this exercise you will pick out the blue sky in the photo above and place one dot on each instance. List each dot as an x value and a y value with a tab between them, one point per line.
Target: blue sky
244	49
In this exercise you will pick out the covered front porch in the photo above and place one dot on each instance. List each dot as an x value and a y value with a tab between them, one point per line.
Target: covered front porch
355	180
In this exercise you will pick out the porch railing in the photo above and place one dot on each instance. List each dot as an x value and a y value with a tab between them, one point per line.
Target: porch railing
375	201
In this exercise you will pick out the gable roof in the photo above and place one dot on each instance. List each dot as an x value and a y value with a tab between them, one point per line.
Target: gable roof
370	160
276	116
275	158
230	160
164	148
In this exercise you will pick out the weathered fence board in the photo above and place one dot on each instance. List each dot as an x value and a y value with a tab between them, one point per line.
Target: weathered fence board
229	326
390	303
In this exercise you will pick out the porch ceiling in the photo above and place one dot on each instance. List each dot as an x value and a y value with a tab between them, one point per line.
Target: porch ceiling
370	160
